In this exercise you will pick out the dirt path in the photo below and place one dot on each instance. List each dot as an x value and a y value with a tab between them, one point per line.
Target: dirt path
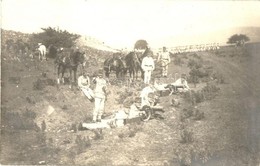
240	100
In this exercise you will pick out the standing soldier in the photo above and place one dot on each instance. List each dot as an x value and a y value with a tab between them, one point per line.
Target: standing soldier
148	66
165	59
100	94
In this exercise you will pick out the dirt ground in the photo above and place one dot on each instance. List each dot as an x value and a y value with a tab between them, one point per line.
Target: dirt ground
39	121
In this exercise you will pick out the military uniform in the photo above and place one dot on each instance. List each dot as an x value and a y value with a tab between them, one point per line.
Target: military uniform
100	93
145	100
148	67
83	84
165	59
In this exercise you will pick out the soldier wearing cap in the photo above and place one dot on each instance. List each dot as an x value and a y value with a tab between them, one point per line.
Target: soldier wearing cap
100	94
164	59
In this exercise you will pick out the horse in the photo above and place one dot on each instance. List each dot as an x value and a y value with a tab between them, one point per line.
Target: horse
52	51
42	52
114	64
133	64
68	59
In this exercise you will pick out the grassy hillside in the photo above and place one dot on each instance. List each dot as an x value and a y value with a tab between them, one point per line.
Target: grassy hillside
217	123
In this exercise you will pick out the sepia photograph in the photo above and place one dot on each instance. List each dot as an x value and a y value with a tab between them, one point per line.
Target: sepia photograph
130	82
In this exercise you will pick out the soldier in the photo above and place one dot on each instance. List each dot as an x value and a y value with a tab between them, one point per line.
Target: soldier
84	84
100	94
145	99
164	59
148	66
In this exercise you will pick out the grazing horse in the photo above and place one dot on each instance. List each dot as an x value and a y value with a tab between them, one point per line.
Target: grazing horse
114	64
42	52
68	59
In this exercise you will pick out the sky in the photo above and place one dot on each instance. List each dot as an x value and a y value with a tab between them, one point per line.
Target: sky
120	23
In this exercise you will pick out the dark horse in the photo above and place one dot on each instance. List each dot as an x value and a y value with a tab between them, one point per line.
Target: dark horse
133	64
134	61
114	64
68	59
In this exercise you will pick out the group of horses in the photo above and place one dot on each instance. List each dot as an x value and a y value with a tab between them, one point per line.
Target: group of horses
69	59
121	65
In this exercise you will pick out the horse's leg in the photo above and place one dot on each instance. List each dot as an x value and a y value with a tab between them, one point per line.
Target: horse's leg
117	73
39	55
58	74
62	74
130	73
134	74
142	74
75	76
45	57
107	72
70	79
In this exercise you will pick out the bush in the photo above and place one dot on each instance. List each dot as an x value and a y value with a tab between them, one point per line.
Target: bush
52	36
206	93
186	136
195	55
198	114
210	91
38	85
194	64
186	113
81	144
178	61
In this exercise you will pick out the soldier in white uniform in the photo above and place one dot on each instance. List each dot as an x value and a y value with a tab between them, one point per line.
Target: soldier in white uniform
148	67
83	84
164	59
100	94
145	95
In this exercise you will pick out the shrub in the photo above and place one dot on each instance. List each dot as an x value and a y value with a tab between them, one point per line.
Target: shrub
38	85
210	91
198	114
178	61
82	143
218	77
186	136
186	113
195	55
194	64
52	36
206	93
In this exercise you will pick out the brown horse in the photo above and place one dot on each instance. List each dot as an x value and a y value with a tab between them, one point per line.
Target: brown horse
68	59
114	64
133	64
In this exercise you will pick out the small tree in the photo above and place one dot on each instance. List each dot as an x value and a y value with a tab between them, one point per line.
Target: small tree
52	36
141	44
239	40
